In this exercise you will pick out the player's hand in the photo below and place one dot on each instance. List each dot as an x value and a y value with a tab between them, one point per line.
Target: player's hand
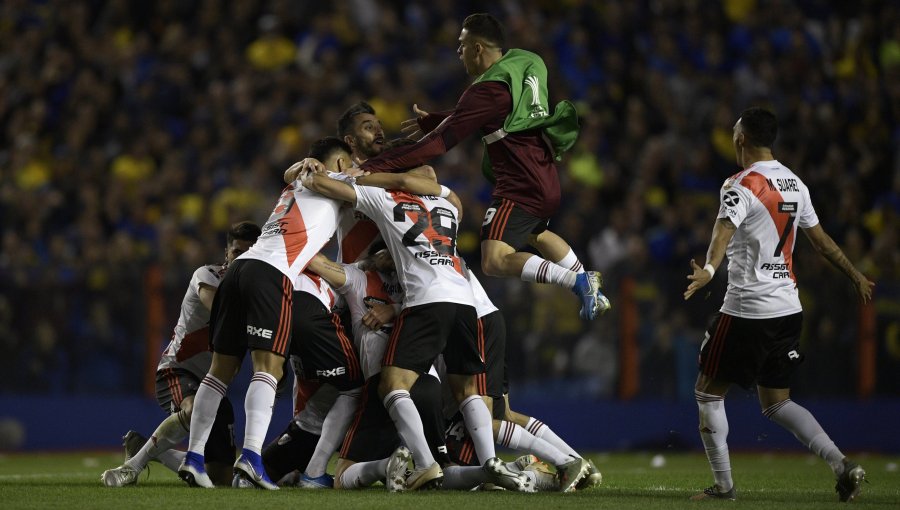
699	279
454	199
864	287
302	166
410	127
378	316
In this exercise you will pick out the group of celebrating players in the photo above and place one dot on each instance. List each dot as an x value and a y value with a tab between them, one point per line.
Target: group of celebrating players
420	323
398	353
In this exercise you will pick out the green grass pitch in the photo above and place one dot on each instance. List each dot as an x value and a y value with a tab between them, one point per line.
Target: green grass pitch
783	481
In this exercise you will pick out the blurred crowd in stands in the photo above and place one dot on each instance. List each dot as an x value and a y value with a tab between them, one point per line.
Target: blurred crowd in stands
132	133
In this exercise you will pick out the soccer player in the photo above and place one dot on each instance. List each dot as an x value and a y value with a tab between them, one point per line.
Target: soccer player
372	450
508	105
253	310
755	335
511	429
438	313
321	351
182	366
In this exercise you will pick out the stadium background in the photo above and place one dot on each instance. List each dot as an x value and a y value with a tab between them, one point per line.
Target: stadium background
134	133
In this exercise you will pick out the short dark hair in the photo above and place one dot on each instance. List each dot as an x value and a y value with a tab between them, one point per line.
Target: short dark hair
760	126
244	231
487	27
323	148
345	122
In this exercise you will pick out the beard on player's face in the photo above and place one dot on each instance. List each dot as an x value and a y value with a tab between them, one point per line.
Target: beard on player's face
368	148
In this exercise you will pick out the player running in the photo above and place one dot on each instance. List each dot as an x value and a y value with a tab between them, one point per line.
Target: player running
755	335
183	364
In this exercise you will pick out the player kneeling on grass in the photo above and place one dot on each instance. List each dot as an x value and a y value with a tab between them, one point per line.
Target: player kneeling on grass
183	365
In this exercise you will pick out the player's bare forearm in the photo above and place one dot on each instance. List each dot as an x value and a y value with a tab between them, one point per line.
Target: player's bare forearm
330	271
723	231
825	245
410	183
324	185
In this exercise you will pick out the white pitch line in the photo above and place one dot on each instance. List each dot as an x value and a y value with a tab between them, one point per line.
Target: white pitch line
38	476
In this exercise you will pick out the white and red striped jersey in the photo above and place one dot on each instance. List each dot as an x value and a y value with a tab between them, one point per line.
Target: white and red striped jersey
300	225
483	304
189	347
356	234
420	232
364	290
767	202
312	283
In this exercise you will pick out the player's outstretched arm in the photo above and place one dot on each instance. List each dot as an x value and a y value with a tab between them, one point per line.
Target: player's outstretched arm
723	231
412	183
410	127
324	185
408	182
330	271
825	245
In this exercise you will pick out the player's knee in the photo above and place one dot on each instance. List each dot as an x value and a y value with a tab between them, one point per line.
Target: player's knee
186	406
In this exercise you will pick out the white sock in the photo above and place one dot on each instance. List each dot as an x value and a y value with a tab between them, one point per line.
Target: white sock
714	433
169	433
406	418
570	262
541	270
517	438
479	423
463	477
807	430
540	430
206	406
171	459
258	408
364	474
333	429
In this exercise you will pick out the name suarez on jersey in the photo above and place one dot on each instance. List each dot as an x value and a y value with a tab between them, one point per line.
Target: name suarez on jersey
787	185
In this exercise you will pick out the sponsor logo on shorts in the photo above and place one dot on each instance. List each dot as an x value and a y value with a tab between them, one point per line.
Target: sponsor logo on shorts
793	355
333	372
260	332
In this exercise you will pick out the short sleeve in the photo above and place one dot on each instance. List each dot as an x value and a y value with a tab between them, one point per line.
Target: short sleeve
208	275
806	216
734	203
368	200
356	280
